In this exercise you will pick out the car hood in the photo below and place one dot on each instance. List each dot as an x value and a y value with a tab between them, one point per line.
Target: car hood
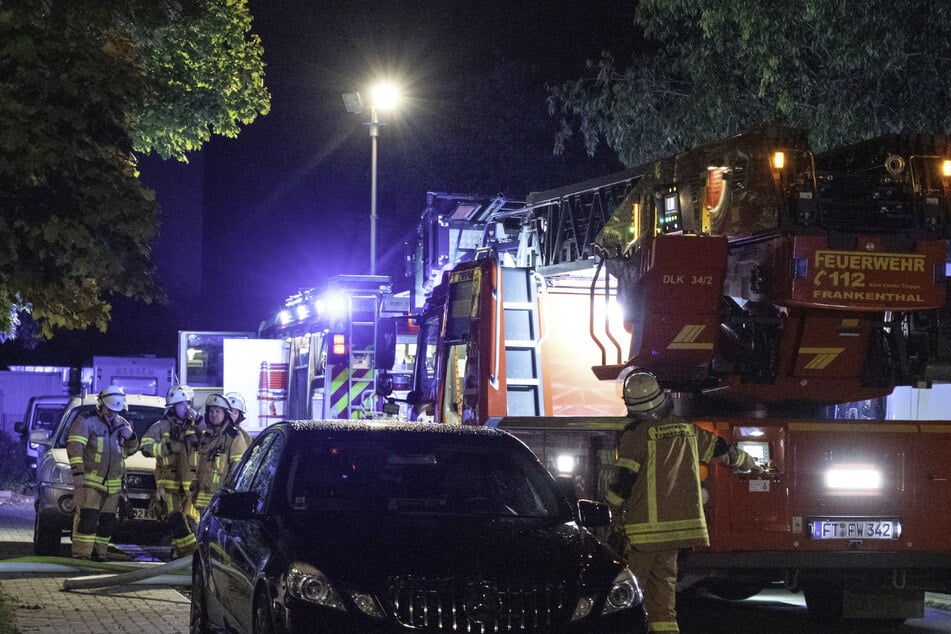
467	546
135	462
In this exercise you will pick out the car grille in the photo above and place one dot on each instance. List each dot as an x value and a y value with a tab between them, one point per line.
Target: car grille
461	605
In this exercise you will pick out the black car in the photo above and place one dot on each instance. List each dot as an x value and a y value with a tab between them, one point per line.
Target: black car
388	527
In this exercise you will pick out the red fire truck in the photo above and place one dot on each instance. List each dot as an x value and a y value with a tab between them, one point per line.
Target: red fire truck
762	284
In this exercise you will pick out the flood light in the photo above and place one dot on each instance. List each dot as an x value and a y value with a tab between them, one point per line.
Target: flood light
565	463
853	478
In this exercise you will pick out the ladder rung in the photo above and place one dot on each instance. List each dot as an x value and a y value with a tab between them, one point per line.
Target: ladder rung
520	343
518	305
521	382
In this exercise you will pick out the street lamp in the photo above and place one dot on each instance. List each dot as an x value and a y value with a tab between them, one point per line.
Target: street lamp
383	96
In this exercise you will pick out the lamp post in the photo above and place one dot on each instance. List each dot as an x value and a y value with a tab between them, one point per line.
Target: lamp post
383	96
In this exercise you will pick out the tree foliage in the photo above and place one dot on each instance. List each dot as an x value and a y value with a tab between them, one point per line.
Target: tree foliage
843	70
84	83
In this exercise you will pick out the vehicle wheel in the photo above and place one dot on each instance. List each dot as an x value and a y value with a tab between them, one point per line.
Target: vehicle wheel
198	611
263	616
46	540
732	591
824	602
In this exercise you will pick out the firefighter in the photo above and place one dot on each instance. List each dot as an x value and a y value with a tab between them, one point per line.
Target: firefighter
655	497
238	410
220	447
97	446
172	440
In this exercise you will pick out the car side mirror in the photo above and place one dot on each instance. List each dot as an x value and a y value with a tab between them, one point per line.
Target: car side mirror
41	437
19	427
593	514
236	505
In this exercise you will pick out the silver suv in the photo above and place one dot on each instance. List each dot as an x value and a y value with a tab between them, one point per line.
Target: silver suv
54	480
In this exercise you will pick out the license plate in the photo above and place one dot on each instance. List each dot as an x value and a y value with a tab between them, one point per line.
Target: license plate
142	514
856	529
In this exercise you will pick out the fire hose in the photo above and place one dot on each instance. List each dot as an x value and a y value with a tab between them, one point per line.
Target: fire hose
114	573
157	575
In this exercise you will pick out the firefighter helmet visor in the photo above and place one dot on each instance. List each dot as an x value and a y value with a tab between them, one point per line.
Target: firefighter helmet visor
113	398
642	392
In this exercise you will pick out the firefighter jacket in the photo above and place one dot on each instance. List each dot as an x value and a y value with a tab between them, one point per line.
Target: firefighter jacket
656	496
97	452
219	449
173	442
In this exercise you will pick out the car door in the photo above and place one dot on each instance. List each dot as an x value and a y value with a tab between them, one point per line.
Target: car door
244	544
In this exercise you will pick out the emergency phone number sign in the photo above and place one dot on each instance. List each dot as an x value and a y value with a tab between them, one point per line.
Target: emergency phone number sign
868	280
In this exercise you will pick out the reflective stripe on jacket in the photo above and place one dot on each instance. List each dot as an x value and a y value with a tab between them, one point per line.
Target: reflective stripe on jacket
219	450
172	442
664	508
95	453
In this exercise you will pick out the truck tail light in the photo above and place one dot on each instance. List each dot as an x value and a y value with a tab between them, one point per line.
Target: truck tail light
339	349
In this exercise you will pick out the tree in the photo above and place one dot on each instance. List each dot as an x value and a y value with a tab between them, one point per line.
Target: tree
84	84
845	71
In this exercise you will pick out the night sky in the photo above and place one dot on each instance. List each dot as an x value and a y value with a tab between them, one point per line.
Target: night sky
249	221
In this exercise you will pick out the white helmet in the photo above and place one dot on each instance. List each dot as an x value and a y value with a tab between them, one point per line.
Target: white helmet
113	398
178	394
642	392
217	400
237	402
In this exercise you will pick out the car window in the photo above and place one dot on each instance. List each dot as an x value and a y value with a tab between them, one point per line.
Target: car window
409	477
46	416
259	468
140	417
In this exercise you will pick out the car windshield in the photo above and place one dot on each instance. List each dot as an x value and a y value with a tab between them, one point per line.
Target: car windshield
47	416
140	417
420	474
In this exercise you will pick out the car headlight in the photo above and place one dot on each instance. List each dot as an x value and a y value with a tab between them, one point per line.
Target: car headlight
624	593
306	583
62	475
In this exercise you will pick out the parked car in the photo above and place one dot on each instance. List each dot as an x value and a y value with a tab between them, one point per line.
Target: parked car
54	481
42	413
383	526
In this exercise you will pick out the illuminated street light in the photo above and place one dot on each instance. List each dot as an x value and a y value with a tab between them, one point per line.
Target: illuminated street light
383	96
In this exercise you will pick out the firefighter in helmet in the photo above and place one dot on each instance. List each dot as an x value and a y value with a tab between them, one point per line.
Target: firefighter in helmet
220	447
655	497
238	411
97	445
172	440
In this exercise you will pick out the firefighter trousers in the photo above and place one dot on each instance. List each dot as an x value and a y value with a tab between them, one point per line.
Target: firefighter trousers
92	526
183	539
656	571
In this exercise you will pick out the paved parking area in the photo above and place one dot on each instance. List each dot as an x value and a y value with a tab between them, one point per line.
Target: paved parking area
41	604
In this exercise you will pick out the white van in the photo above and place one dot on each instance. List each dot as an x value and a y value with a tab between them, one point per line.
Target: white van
42	413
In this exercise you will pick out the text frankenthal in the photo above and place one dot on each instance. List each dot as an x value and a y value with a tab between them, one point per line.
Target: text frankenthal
889	262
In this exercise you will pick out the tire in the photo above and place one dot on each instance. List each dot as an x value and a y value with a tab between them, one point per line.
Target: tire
732	591
46	539
198	610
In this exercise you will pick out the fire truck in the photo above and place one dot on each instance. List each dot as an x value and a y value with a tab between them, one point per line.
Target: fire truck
319	356
762	284
339	338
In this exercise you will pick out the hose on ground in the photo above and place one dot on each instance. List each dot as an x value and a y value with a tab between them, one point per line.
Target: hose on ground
64	564
133	576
